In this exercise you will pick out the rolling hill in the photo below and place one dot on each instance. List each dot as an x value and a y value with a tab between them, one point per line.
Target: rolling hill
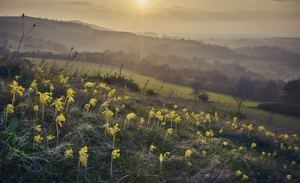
85	37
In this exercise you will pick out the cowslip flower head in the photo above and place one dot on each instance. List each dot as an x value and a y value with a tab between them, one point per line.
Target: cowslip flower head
188	153
83	156
69	153
152	148
60	119
115	153
50	137
38	138
253	145
10	109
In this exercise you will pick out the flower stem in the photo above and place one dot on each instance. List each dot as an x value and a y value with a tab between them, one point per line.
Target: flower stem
111	169
78	167
57	133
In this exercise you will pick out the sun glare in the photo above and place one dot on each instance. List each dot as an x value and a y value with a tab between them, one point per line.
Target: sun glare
142	2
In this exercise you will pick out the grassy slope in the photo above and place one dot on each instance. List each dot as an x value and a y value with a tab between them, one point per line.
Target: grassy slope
23	160
218	101
179	91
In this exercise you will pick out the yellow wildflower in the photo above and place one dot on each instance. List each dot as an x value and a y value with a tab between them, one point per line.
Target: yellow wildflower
105	104
216	116
225	144
15	88
69	153
162	157
250	127
177	119
107	113
102	85
221	130
188	153
253	145
38	138
238	173
235	119
289	177
33	86
63	80
51	88
70	95
130	116
93	102
245	178
10	109
152	148
36	108
59	119
114	130
142	120
58	104
184	110
115	153
209	134
45	98
261	128
50	137
38	128
89	85
151	114
111	93
170	131
83	156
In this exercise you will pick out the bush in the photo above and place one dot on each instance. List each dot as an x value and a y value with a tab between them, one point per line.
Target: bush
280	107
11	67
150	92
203	96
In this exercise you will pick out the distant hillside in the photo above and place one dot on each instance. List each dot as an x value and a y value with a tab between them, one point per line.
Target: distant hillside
268	53
289	44
89	38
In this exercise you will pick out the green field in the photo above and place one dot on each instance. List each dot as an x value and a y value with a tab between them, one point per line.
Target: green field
179	91
218	101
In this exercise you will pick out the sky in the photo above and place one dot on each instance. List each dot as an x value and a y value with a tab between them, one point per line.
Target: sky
207	17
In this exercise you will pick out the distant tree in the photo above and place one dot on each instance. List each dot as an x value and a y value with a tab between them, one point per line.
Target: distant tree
243	91
267	90
291	92
203	97
196	86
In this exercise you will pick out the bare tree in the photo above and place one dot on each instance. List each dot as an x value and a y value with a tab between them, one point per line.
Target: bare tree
243	91
23	33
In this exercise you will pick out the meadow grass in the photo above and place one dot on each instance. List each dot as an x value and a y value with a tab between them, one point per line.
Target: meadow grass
107	133
217	101
155	84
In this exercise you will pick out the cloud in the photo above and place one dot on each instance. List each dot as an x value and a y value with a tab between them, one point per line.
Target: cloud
297	1
185	14
80	3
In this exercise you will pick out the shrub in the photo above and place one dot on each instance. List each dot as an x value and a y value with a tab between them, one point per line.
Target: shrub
151	92
203	97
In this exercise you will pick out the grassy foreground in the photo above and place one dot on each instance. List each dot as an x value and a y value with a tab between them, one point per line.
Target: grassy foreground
57	127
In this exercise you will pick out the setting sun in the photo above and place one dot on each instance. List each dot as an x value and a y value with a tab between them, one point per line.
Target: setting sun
142	2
